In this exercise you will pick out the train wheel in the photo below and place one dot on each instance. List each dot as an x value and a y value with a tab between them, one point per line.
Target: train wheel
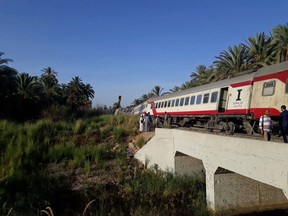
230	128
209	126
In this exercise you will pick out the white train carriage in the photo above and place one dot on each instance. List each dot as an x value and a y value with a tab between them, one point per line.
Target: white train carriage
139	108
228	104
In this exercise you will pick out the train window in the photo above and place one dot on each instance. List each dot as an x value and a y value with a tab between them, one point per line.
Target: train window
177	102
156	105
286	87
214	97
162	104
199	99
268	88
172	104
181	101
206	98
186	101
165	104
169	102
192	101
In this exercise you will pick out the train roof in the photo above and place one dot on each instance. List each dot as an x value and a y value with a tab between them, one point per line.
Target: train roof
283	66
242	77
218	84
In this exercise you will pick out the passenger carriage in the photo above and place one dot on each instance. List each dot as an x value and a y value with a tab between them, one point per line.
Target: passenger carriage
235	103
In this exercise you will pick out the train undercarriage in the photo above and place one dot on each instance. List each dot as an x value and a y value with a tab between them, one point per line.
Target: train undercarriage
225	123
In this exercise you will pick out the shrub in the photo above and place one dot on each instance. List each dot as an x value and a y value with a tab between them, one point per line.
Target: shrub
120	134
140	141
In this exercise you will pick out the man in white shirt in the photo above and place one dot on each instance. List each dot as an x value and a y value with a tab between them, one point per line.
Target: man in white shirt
265	125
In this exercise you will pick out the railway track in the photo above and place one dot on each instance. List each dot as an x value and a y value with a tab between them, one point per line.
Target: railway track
274	138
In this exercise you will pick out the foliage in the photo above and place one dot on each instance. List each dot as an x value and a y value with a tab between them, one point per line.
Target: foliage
25	98
40	162
258	51
139	142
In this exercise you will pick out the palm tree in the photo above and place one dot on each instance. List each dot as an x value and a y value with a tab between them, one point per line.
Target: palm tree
88	91
29	96
50	90
50	74
7	86
188	84
145	97
136	102
78	95
28	87
175	89
231	62
203	75
157	90
260	50
280	39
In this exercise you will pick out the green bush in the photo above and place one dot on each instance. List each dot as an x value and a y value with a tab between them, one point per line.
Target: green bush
120	134
60	152
140	142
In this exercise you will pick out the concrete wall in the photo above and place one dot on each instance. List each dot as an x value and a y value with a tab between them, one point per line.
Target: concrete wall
265	162
237	193
186	165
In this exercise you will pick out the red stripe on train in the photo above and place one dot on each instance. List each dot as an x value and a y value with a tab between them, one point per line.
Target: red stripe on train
235	85
208	112
257	112
280	76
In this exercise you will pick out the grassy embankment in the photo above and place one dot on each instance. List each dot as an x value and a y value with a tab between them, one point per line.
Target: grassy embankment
66	165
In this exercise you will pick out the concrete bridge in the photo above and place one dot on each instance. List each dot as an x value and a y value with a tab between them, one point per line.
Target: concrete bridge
242	175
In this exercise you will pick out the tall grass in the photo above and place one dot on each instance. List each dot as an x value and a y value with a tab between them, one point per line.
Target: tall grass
140	141
89	145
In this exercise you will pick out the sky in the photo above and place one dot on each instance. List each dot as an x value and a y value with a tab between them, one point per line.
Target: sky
126	47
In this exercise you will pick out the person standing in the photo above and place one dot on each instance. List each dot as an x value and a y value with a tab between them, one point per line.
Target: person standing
165	119
157	121
141	123
283	123
146	123
265	125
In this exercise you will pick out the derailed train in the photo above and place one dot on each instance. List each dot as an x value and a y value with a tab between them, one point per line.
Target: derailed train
228	105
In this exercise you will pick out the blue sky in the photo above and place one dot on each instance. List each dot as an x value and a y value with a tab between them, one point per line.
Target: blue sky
126	47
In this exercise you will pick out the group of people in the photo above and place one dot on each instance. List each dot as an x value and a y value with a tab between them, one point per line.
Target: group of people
266	125
146	122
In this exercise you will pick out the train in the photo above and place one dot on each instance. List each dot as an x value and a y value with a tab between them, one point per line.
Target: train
229	105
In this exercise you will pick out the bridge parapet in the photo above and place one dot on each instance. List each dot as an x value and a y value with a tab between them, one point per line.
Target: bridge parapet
255	164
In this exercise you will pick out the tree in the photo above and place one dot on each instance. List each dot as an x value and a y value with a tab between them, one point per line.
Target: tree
7	86
175	89
50	90
49	83
280	39
231	62
28	90
187	85
157	90
260	50
49	73
78	95
202	75
136	102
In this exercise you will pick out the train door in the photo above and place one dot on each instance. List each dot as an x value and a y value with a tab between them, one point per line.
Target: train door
223	99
